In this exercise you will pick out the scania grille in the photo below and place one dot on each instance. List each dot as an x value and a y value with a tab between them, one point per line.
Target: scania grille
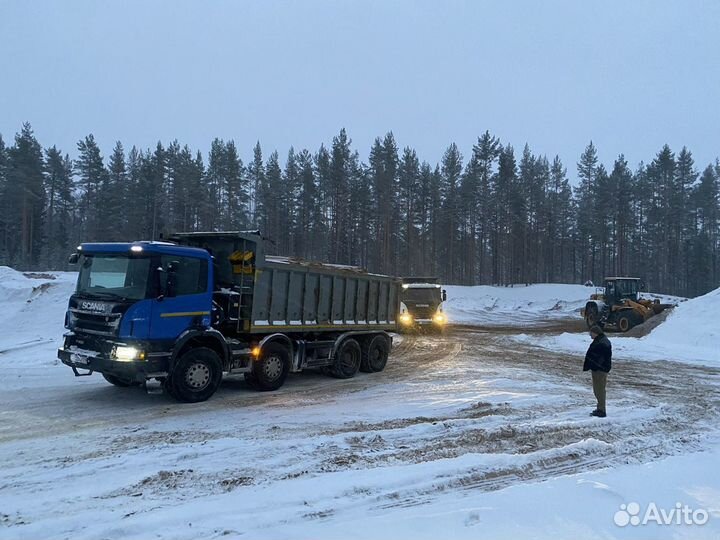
96	323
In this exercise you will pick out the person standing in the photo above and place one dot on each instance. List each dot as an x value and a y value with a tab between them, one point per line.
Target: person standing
598	360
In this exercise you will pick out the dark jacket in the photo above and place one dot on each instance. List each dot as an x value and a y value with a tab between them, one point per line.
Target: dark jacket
599	355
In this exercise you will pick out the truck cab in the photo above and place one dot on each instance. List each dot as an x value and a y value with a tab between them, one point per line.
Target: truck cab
421	304
132	303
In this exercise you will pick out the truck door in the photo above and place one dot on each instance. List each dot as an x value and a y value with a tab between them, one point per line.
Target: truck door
186	298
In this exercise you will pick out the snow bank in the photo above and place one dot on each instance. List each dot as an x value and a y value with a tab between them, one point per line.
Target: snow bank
516	305
689	334
33	312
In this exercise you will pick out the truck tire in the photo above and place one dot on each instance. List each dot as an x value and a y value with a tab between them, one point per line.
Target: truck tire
196	375
347	360
271	369
117	381
375	355
168	388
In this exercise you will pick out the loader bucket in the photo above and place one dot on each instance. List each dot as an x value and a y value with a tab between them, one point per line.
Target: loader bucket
659	308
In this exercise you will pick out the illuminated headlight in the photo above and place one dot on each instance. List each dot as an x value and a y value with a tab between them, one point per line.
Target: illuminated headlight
406	318
128	354
439	318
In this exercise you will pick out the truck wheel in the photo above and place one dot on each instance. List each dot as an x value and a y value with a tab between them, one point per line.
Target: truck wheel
375	355
196	375
117	381
271	369
169	389
347	360
625	322
251	381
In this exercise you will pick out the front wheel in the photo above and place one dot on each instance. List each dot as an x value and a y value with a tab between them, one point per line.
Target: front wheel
626	322
196	375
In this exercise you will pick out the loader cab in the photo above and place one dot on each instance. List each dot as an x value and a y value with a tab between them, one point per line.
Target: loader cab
618	289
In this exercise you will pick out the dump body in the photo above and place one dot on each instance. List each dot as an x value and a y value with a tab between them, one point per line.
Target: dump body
284	294
299	296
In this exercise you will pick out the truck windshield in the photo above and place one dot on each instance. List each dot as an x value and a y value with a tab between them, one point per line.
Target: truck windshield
421	295
114	277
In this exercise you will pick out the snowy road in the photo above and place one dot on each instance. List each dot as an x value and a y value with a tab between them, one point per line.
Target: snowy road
452	416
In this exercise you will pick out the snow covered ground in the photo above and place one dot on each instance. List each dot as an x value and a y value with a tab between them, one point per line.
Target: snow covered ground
462	436
690	333
515	305
523	305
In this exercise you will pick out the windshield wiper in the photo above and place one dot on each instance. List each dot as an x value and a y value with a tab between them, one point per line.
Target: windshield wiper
103	295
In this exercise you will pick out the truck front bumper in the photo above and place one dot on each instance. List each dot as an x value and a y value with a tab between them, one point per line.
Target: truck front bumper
154	365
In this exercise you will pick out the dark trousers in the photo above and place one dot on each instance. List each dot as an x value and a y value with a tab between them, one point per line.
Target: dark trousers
599	381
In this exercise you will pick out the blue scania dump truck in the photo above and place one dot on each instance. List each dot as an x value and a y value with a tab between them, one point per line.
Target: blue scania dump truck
180	314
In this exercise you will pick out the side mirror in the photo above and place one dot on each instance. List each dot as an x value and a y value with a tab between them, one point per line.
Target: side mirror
74	258
643	287
171	280
444	295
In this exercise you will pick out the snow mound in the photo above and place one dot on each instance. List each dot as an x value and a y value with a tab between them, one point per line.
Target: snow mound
33	309
692	323
689	334
517	305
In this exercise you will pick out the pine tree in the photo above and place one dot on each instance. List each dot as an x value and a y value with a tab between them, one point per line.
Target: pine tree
116	196
621	181
256	178
59	186
383	173
25	199
408	195
235	190
322	171
477	206
91	179
288	196
269	203
451	169
560	225
309	231
585	194
339	198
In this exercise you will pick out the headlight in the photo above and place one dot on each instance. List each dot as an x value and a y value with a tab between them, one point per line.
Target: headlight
128	354
439	318
406	318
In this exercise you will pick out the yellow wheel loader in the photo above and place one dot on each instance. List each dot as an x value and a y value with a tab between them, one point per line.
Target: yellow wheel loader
618	305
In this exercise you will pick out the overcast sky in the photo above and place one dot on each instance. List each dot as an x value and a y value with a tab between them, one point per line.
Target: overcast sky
629	75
